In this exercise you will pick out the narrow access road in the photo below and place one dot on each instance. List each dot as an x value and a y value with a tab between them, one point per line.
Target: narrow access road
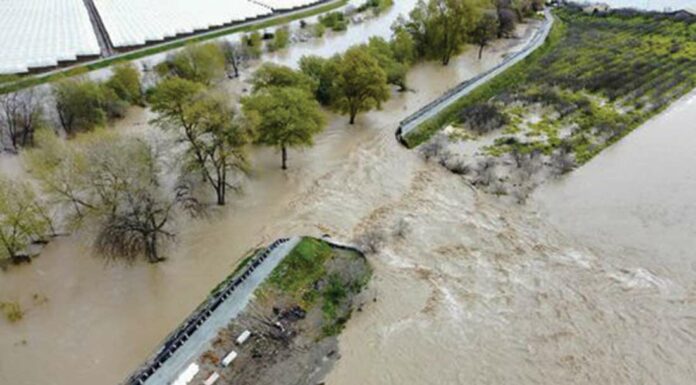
199	342
438	105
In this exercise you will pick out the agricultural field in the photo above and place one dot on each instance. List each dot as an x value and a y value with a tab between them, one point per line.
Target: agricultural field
596	78
39	34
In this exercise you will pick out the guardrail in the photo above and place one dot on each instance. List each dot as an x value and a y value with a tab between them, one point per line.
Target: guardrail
436	106
179	337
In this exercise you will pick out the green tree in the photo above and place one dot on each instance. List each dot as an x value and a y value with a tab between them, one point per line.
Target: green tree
202	63
254	43
281	39
442	27
361	84
323	72
284	117
486	30
274	75
381	50
80	104
206	122
22	219
125	82
403	46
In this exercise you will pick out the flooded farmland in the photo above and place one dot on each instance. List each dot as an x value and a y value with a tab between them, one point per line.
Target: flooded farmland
469	289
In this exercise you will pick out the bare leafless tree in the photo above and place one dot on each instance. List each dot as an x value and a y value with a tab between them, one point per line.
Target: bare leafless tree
20	115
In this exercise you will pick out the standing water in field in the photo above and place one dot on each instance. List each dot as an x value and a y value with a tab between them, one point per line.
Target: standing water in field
468	289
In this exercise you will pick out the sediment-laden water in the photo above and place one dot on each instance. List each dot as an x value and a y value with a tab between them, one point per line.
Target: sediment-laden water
469	289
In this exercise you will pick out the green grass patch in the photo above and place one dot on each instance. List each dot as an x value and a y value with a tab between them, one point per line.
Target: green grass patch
301	269
34	80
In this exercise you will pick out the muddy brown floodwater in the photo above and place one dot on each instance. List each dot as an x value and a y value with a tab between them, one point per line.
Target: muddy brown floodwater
469	289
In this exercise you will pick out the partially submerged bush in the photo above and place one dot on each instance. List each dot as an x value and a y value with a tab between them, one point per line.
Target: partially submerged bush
12	310
483	118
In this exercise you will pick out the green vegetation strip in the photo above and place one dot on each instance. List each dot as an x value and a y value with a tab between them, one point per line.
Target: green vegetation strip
81	69
306	277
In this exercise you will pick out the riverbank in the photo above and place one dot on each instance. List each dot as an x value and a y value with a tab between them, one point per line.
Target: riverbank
567	102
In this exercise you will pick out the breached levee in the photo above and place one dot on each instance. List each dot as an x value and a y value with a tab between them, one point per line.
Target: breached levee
300	276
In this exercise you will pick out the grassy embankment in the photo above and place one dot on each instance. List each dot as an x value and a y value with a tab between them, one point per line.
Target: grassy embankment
32	80
594	80
316	275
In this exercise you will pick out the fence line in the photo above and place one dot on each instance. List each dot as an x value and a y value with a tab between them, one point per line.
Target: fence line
179	337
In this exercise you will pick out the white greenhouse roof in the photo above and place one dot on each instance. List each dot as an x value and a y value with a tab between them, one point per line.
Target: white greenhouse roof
280	5
135	22
39	33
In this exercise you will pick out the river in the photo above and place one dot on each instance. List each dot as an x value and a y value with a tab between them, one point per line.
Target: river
637	199
469	289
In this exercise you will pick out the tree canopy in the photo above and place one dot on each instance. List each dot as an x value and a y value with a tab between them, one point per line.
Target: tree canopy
284	117
361	83
23	219
274	75
440	28
202	63
114	183
206	122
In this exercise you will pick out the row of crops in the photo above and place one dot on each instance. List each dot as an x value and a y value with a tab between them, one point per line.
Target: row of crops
599	77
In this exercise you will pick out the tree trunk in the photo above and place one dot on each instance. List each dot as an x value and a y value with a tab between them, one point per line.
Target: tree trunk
221	187
151	248
352	117
446	59
480	51
285	157
221	194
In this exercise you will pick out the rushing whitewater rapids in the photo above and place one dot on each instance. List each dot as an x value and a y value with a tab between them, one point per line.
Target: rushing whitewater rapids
471	290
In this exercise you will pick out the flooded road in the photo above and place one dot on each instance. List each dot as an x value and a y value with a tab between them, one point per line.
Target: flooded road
469	290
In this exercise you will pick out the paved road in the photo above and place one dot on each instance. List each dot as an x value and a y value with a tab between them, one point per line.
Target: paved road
435	107
233	305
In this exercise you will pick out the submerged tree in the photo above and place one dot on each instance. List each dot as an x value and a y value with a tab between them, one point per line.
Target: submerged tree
236	54
323	72
202	63
112	183
80	104
361	84
274	75
125	82
284	117
440	28
381	50
206	122
20	116
23	219
486	30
